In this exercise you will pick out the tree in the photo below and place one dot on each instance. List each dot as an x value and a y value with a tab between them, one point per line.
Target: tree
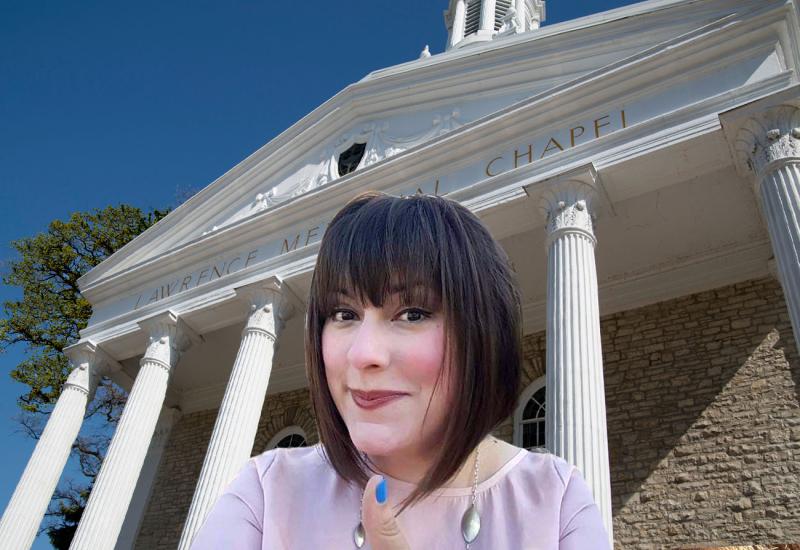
49	318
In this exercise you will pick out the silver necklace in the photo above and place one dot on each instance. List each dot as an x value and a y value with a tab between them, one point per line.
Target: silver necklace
470	521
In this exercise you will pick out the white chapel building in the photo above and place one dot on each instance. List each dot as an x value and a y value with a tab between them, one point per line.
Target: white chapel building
641	167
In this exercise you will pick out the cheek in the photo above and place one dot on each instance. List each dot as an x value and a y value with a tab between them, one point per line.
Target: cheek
332	355
423	359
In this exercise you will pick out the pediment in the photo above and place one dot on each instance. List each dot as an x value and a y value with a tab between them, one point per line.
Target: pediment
398	110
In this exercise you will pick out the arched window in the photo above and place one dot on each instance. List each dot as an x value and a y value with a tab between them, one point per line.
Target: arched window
293	436
529	418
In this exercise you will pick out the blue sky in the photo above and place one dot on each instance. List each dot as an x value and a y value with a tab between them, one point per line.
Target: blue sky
142	102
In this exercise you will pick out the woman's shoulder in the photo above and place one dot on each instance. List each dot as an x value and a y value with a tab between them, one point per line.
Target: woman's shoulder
285	460
543	468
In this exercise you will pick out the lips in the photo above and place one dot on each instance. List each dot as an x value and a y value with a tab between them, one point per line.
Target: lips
375	399
376	394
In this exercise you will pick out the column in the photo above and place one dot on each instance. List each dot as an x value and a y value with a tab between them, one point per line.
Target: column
147	477
237	421
487	17
105	511
768	147
519	5
538	14
457	32
576	411
28	504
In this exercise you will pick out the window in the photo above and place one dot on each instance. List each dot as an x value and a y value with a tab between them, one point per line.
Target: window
293	436
529	419
473	19
349	159
292	440
500	11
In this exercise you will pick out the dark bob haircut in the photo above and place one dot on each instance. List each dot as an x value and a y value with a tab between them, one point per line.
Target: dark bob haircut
378	241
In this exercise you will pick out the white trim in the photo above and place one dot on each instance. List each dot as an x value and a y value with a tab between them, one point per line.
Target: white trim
289	430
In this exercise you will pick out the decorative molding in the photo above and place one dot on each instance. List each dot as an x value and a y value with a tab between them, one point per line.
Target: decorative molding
90	363
569	207
380	143
168	337
769	138
271	304
568	202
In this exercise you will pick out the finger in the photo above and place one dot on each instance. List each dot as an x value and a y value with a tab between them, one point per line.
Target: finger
382	529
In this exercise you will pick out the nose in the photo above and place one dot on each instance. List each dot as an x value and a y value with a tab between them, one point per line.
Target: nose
369	343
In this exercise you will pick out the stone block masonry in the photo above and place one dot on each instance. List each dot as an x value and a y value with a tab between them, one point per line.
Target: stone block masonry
704	420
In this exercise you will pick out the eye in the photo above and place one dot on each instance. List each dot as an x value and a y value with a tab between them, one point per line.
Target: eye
341	315
416	315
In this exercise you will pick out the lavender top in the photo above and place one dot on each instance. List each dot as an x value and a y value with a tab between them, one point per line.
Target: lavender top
293	499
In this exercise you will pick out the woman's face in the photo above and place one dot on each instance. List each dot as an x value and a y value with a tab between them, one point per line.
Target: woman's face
397	347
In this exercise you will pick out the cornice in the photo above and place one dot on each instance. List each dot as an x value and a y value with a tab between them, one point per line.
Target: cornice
657	11
369	96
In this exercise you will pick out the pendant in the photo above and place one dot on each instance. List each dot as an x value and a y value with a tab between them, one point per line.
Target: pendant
359	535
470	524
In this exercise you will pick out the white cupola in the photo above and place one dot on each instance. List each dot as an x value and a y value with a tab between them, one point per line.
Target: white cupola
470	21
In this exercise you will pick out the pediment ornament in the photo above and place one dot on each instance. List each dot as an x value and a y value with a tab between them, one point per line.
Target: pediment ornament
381	144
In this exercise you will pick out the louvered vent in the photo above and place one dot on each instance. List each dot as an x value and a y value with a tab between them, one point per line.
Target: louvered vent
473	20
499	12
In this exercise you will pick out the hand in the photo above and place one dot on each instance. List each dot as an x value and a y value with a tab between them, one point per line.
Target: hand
380	525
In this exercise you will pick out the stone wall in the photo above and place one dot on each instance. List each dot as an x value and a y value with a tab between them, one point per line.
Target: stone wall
703	411
175	482
704	420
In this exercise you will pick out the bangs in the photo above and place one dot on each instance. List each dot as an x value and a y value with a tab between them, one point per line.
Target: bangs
381	251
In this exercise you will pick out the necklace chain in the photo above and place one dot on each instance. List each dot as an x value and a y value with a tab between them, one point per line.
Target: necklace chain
475	517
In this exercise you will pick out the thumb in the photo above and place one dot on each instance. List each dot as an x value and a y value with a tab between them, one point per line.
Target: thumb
383	531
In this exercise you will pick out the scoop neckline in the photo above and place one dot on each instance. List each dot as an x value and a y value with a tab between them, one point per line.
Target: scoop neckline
464	491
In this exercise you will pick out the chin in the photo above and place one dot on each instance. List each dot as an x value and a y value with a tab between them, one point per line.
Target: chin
376	439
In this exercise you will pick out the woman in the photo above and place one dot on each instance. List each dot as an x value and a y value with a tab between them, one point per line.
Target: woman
413	355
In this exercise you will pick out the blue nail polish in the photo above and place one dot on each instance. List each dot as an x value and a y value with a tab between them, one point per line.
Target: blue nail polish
380	492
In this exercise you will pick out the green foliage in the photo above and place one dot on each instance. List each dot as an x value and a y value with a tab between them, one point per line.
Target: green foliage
67	515
52	311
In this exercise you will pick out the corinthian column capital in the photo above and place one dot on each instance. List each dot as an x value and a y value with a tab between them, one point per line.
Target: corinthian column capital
569	203
89	363
768	139
168	337
271	304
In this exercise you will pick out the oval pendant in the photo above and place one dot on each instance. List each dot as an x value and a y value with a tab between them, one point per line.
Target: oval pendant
359	535
470	524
